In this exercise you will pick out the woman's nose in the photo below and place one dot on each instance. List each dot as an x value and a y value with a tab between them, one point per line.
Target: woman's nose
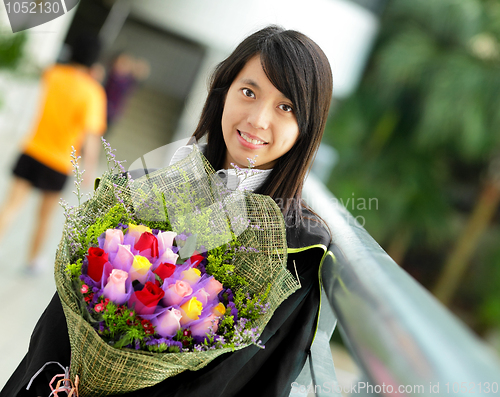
260	117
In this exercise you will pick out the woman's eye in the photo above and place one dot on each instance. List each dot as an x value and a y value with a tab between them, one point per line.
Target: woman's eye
286	108
248	93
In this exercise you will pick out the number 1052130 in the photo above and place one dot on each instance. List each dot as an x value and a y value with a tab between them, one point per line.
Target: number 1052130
32	7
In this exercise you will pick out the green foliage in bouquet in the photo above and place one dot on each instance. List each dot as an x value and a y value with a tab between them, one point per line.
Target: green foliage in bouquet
117	214
250	307
159	225
75	269
221	266
122	320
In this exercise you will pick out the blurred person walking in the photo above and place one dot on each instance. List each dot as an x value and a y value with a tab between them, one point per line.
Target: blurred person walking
125	74
72	113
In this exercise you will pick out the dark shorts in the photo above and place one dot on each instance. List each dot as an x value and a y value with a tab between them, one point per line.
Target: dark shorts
38	174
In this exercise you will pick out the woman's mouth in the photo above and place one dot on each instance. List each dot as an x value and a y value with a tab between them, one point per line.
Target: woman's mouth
251	140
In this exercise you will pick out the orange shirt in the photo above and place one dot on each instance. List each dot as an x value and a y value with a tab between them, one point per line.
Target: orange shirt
74	105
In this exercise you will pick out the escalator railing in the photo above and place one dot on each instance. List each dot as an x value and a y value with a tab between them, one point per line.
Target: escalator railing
404	340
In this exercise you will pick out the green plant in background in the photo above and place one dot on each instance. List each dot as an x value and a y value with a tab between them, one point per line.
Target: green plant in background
12	49
483	289
421	133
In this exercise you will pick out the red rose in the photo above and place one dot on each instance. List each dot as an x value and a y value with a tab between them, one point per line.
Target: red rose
196	259
147	241
97	258
150	295
146	300
165	270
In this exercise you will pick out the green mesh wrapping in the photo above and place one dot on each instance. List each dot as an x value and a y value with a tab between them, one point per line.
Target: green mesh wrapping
188	192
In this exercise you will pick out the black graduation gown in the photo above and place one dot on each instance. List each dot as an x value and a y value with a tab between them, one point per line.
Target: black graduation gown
247	372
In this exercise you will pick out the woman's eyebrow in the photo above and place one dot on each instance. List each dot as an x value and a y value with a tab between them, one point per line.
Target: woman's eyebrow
253	83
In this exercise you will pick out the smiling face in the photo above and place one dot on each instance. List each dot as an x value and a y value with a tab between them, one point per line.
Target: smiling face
257	120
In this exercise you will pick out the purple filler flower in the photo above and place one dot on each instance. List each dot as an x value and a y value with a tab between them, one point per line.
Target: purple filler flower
234	310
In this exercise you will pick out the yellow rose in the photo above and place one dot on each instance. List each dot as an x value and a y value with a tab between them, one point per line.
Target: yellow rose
191	310
219	310
140	268
141	264
136	231
191	276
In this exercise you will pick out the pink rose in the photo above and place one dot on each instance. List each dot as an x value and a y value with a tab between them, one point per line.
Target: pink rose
165	240
202	296
201	327
175	293
115	288
168	323
112	239
213	287
123	258
168	256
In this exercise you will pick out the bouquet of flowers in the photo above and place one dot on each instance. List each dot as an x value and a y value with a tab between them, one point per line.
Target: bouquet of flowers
164	273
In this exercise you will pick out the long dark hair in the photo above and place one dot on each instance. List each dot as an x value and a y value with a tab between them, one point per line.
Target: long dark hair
298	68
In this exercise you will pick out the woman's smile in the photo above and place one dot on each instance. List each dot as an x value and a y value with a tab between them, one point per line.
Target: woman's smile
255	141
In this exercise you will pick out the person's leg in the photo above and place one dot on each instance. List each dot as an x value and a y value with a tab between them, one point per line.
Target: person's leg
19	190
48	203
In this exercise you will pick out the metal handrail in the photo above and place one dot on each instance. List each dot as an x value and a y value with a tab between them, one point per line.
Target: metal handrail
403	339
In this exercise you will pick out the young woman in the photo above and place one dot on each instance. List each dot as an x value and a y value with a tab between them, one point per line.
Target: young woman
268	101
